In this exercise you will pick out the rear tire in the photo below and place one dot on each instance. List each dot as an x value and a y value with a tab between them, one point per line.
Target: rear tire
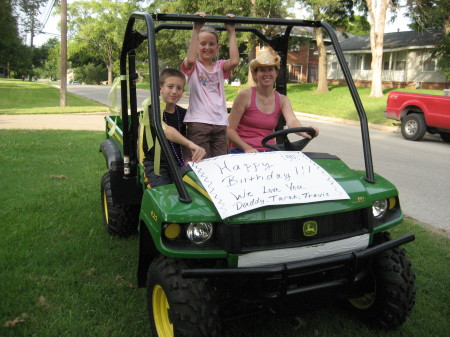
180	307
119	219
390	290
445	136
414	127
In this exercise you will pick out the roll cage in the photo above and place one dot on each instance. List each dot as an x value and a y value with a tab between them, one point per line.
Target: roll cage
157	22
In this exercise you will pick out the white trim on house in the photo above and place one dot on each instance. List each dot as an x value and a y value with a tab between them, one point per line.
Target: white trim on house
407	69
406	59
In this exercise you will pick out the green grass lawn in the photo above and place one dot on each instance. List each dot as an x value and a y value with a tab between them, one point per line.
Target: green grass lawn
23	97
62	275
337	102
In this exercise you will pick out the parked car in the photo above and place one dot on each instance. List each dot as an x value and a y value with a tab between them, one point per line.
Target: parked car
420	113
75	83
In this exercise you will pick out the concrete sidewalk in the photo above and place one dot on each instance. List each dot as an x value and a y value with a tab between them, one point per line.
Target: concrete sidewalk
79	121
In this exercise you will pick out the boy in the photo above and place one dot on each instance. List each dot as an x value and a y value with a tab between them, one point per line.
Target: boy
171	87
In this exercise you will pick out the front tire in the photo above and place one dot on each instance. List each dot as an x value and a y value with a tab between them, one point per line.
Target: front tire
390	290
414	127
119	219
180	307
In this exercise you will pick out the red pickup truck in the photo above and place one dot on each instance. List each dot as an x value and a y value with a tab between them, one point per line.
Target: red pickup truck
420	113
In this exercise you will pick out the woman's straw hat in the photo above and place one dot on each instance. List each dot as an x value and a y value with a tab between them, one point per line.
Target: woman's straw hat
265	59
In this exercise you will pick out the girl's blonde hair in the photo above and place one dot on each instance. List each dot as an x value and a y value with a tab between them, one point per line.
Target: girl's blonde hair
211	30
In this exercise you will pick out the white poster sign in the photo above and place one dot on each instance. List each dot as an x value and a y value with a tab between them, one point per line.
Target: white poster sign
241	182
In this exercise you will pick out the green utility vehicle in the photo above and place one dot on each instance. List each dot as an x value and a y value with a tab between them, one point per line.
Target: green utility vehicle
200	268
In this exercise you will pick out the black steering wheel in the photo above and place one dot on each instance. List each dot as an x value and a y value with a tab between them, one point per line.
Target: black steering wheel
287	145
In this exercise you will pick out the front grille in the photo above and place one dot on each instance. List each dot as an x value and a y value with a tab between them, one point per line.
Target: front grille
259	236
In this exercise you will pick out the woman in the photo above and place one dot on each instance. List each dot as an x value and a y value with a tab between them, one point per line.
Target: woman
256	110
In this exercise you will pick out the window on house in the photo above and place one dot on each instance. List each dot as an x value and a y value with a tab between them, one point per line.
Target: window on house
400	61
295	73
334	66
351	61
294	47
429	65
400	65
367	61
387	61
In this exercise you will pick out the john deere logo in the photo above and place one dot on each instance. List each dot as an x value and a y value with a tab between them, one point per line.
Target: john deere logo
310	228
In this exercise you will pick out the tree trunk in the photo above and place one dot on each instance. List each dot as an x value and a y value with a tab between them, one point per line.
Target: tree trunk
110	73
322	84
377	19
447	26
252	52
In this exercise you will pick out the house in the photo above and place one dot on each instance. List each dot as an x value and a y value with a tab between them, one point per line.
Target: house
407	61
303	55
302	62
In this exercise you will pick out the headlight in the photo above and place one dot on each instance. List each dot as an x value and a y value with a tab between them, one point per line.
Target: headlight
199	232
379	208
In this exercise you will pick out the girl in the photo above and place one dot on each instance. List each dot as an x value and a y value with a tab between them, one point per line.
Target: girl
206	117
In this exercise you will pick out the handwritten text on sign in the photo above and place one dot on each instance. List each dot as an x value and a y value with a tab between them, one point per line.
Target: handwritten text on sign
241	182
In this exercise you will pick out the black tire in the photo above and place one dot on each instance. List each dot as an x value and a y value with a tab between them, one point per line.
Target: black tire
391	291
414	126
445	136
119	219
180	307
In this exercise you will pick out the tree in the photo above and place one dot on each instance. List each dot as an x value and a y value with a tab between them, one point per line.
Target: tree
172	45
433	14
269	9
333	11
357	25
429	14
173	49
100	25
47	59
377	17
9	36
30	11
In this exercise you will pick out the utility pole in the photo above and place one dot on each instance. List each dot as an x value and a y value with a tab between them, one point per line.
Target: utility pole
63	60
30	76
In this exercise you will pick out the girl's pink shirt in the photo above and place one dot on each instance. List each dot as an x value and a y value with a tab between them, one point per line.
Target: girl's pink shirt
207	102
255	124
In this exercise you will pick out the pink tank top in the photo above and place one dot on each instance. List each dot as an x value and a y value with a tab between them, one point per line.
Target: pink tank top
255	124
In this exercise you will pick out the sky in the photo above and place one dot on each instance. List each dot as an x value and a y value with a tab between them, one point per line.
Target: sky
51	28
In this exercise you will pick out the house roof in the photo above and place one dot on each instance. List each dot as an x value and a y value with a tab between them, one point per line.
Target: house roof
394	41
309	33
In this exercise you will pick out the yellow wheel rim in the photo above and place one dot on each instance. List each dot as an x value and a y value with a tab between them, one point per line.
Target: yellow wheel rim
105	207
368	299
363	302
161	310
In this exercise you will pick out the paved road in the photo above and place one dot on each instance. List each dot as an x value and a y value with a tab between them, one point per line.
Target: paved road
420	170
100	93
